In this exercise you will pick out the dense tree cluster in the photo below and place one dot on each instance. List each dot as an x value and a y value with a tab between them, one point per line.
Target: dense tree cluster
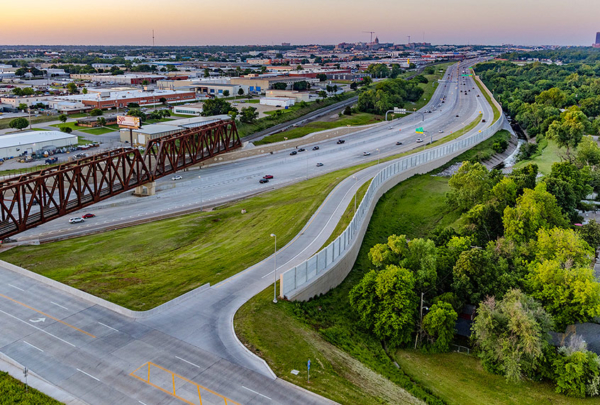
386	95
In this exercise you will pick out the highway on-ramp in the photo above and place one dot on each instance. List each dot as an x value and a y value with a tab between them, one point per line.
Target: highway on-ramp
190	349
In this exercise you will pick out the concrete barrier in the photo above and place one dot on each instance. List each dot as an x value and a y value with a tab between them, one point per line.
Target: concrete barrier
328	268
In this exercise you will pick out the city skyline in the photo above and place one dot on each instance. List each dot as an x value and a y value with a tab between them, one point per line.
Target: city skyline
267	22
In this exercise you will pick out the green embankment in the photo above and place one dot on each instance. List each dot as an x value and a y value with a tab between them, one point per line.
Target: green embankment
12	391
547	154
489	100
415	207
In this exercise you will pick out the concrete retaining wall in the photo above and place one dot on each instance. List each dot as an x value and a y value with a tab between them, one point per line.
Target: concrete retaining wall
329	268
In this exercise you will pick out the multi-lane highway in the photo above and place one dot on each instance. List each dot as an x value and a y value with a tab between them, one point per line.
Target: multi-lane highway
187	349
235	180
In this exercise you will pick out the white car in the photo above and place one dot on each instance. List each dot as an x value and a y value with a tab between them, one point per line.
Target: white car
366	153
174	178
419	140
76	220
441	132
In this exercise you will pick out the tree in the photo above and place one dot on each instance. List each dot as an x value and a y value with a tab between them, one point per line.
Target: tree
62	118
72	87
22	106
511	335
564	246
588	152
366	81
569	130
206	72
133	105
165	113
571	295
353	85
321	76
136	112
27	91
301	86
577	370
590	233
96	112
439	325
101	121
163	100
553	97
470	185
535	209
348	110
85	90
144	82
19	123
280	86
67	130
226	93
249	115
322	94
386	304
240	92
299	67
216	106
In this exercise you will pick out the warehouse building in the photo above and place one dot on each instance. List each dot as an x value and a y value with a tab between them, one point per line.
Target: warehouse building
30	142
189	109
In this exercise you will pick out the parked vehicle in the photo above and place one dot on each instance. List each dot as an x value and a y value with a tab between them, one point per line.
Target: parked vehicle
88	215
261	181
268	176
174	178
51	160
76	220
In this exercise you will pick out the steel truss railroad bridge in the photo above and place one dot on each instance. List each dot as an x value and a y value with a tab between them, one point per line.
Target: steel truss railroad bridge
35	198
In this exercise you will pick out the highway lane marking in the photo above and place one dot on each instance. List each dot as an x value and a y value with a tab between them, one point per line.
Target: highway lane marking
109	327
35	327
258	393
141	403
58	305
35	347
89	375
49	316
189	362
10	285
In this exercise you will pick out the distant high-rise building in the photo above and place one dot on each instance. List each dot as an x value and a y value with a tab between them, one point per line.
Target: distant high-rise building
597	44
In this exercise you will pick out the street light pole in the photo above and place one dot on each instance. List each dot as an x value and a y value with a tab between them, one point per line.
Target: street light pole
377	156
356	192
275	271
200	178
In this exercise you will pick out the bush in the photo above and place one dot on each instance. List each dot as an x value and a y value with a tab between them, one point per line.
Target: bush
96	112
500	146
527	151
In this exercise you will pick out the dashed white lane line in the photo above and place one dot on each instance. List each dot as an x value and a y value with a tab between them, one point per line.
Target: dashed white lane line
109	327
89	375
35	327
35	347
188	362
258	393
58	305
10	285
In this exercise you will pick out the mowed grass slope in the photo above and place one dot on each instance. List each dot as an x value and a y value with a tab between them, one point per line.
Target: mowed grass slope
12	391
144	266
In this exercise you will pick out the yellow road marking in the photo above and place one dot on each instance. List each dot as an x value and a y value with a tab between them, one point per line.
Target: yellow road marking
45	314
226	400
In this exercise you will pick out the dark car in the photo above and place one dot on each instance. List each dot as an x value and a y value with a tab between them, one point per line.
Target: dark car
398	143
340	141
293	152
88	215
457	115
319	164
301	150
483	120
316	148
268	176
263	181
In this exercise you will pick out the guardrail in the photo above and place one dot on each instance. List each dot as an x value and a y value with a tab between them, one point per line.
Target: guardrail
300	282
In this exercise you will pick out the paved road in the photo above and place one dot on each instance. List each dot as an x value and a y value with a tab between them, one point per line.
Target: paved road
103	357
235	180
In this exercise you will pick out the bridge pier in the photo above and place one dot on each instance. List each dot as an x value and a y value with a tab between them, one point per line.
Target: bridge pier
145	189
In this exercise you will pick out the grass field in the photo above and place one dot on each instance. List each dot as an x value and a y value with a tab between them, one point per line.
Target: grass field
4	122
153	263
459	379
415	207
299	132
91	131
12	391
548	153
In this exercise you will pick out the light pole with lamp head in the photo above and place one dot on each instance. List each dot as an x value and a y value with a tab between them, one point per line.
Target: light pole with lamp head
275	271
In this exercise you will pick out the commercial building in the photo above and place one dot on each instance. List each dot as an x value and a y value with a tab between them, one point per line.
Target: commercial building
14	101
130	79
262	83
597	43
30	142
105	99
188	109
146	133
278	101
298	96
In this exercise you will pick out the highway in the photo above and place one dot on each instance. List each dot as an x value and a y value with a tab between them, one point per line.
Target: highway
103	357
227	182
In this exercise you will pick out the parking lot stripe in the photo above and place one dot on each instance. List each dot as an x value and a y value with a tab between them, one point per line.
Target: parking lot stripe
49	316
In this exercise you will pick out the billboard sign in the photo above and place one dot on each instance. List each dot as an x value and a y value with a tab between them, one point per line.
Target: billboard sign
127	121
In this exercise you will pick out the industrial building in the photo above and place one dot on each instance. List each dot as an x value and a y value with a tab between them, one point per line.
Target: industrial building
105	99
30	142
188	109
278	101
262	83
118	79
146	133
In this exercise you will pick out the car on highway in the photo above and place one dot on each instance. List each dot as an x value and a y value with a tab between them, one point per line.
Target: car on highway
366	153
319	164
440	131
261	181
457	115
301	150
76	220
316	148
483	120
419	140
292	153
88	215
175	178
340	141
268	176
398	143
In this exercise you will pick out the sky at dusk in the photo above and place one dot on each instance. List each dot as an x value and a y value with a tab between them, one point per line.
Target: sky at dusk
240	22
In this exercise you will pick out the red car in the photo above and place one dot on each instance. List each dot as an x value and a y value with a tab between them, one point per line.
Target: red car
86	216
268	176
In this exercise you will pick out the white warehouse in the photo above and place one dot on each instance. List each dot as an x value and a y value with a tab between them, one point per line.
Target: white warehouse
278	101
16	144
